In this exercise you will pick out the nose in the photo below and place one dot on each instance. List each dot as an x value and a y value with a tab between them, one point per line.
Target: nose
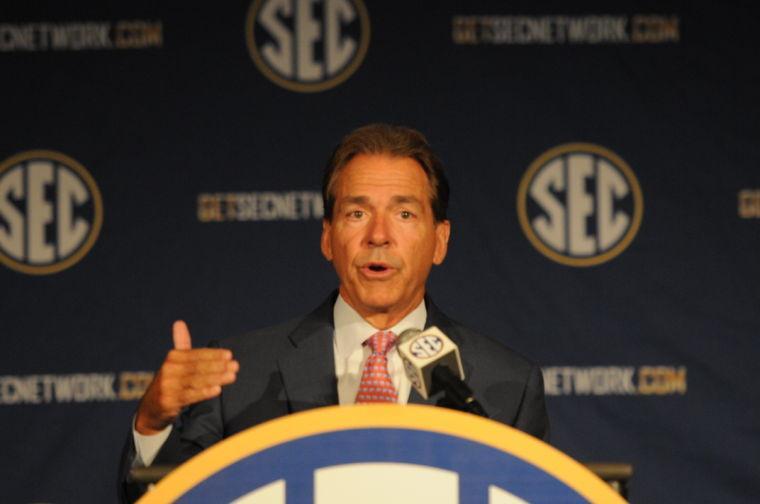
378	234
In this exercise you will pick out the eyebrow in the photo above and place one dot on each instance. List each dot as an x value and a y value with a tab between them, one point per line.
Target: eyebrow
363	200
407	199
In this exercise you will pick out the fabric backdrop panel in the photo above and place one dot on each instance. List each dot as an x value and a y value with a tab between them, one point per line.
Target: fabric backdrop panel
158	164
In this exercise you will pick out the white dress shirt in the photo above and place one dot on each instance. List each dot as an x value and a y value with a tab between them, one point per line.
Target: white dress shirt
351	331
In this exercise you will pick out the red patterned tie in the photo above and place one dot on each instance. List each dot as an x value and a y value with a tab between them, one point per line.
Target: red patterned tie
376	385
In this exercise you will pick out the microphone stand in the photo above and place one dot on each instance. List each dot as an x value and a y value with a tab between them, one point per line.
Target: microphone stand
457	395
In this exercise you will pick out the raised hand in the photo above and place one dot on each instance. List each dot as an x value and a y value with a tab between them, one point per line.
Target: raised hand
186	376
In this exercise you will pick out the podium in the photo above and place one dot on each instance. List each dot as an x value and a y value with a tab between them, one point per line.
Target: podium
386	454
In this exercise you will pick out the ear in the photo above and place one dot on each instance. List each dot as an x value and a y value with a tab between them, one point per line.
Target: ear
326	240
442	233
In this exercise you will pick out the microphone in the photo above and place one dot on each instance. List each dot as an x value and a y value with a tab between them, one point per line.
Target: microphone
432	363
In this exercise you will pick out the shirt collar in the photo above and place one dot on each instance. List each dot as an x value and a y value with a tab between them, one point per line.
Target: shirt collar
351	330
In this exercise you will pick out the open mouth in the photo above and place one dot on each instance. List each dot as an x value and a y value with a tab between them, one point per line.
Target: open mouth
377	270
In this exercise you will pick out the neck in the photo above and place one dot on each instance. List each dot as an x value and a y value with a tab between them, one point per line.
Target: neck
384	317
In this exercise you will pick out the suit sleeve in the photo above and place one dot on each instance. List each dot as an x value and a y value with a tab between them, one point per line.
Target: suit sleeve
128	491
197	428
532	417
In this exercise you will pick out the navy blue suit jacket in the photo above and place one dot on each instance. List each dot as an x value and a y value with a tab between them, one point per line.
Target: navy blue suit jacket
291	368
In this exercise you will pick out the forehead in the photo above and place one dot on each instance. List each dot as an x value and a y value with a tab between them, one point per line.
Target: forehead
369	174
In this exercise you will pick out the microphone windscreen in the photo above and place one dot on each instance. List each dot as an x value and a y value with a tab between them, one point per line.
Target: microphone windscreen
422	352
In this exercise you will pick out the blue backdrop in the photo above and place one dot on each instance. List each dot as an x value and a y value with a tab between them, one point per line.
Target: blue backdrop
161	162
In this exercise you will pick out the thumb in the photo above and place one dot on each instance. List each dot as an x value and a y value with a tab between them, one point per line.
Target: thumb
181	336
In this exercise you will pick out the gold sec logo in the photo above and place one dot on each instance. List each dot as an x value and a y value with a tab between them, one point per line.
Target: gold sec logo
580	204
51	212
307	45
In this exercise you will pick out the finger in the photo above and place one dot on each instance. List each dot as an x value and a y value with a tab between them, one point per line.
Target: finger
184	369
181	336
200	354
213	367
210	380
191	396
172	391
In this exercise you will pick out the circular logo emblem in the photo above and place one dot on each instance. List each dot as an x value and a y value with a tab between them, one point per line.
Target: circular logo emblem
307	45
580	204
366	453
425	347
51	212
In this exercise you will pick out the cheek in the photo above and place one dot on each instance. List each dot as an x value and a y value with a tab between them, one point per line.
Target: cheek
420	251
343	250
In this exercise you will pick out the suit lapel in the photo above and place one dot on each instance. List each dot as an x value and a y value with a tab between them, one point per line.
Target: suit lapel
308	369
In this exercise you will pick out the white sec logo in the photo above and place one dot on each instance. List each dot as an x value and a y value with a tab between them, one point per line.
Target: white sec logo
580	204
307	45
51	212
425	347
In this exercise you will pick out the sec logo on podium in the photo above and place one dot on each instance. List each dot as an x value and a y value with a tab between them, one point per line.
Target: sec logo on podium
381	454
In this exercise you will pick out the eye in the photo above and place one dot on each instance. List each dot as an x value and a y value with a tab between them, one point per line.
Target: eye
356	214
406	214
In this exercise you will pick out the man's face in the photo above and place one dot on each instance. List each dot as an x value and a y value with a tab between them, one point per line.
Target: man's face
382	239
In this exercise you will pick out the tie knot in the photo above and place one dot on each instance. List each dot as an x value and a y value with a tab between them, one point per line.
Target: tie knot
381	342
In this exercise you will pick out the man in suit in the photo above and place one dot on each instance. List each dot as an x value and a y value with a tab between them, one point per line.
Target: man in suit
384	228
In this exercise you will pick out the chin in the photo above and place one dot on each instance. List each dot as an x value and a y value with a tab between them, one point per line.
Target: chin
379	302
